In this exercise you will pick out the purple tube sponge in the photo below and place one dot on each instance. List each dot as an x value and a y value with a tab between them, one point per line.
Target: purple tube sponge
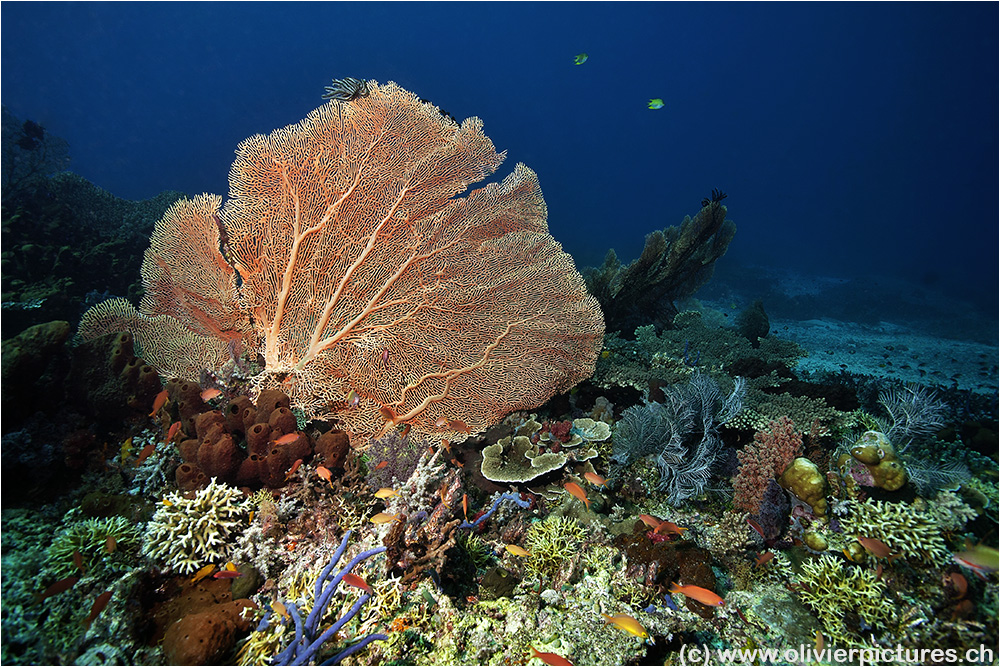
307	643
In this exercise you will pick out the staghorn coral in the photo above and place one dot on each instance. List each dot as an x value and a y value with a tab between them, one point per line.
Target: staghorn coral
834	593
551	543
185	534
349	262
907	529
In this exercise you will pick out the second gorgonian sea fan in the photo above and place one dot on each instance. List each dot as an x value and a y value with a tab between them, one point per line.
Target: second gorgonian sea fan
350	263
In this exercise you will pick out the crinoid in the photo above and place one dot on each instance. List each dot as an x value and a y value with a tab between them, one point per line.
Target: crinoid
346	89
717	196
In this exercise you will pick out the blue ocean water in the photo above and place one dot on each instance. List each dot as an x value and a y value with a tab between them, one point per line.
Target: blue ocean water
852	139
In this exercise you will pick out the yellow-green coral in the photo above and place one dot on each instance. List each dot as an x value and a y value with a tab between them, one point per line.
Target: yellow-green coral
907	529
834	592
551	542
187	533
90	538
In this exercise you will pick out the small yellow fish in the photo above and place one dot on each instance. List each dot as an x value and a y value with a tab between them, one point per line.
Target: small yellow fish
126	449
167	503
656	103
580	58
386	493
382	517
518	551
605	354
231	566
279	609
629	625
202	573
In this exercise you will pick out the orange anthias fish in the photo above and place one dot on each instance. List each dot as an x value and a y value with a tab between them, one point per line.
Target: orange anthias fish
171	432
667	527
202	573
386	493
388	414
227	574
286	439
553	659
459	426
99	604
650	521
629	625
325	473
158	402
595	479
465	506
381	465
382	517
518	551
211	393
291	471
702	595
354	580
763	559
60	586
877	548
146	452
577	492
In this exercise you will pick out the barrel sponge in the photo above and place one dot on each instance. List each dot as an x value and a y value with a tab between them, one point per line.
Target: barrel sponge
804	479
188	533
207	637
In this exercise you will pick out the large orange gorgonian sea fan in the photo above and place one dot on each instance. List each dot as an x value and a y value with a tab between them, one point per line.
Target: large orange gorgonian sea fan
346	258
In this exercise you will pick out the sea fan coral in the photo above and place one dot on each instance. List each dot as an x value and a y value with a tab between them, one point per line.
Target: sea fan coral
346	257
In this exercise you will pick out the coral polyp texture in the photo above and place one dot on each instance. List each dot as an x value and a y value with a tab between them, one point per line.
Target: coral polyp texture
186	534
347	259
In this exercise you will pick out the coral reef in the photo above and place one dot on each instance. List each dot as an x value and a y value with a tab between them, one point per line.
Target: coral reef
674	263
185	534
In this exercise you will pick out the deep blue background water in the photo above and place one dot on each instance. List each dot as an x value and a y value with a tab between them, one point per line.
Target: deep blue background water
851	138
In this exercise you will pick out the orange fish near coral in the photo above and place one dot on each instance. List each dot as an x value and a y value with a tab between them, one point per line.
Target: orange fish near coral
667	527
553	659
325	473
595	479
60	586
577	492
386	493
144	454
291	471
629	625
99	604
280	609
763	559
287	438
877	548
459	425
202	573
518	551
227	574
382	517
110	544
354	580
702	595
381	465
158	402
650	521
171	432
388	414
465	506
209	394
